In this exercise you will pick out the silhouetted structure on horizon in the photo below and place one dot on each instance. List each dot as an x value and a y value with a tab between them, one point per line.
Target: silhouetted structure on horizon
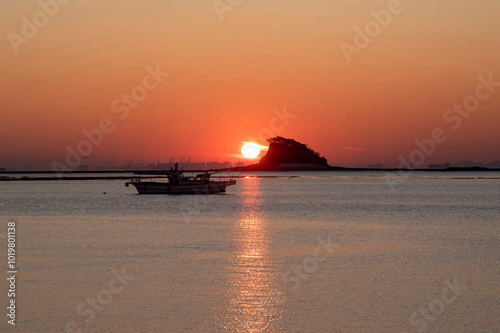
288	154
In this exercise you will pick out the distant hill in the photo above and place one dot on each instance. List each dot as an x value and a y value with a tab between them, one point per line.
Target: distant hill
288	154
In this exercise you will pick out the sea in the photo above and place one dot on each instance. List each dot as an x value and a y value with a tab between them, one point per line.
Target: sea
278	252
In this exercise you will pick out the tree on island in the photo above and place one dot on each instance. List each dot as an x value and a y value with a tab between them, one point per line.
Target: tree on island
288	151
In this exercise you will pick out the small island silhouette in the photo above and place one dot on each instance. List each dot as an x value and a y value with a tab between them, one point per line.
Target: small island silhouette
289	155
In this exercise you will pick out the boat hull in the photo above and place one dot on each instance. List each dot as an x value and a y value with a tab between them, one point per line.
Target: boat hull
166	188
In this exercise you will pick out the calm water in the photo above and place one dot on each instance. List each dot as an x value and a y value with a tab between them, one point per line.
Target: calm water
301	252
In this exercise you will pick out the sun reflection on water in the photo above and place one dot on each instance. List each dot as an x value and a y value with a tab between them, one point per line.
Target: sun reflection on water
254	300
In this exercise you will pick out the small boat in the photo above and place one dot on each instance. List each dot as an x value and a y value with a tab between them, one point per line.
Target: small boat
179	184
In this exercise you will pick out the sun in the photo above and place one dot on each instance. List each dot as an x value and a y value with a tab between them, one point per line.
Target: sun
250	150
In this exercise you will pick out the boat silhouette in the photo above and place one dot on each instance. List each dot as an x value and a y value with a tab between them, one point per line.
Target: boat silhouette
178	183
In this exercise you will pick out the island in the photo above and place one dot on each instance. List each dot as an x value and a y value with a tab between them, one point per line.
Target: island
288	155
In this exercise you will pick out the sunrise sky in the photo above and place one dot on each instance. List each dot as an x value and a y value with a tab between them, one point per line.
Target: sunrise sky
237	73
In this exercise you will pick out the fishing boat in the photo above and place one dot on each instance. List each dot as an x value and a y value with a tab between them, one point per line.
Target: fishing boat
177	183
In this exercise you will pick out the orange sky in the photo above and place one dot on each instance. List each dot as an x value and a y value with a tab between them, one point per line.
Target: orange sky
225	78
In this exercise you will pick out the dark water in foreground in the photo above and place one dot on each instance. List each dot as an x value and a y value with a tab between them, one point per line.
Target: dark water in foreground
301	252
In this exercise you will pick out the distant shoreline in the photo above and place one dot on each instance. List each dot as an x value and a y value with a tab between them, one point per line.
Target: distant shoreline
246	169
159	173
255	167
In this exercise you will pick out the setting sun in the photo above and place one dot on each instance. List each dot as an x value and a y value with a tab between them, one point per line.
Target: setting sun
250	150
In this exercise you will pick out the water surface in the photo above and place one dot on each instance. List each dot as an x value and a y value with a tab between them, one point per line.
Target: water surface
252	260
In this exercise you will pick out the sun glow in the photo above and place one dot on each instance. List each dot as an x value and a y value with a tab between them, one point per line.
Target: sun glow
250	150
